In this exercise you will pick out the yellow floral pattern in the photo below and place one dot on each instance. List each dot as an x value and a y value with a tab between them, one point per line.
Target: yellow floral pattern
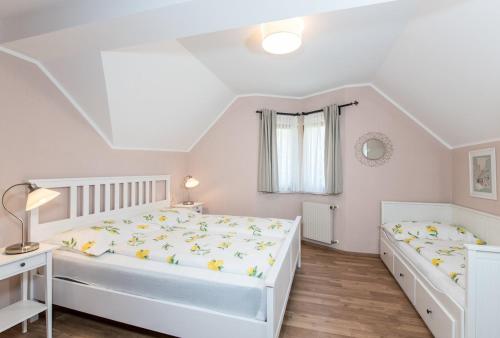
228	244
410	230
142	254
87	246
436	261
216	265
172	259
447	256
432	230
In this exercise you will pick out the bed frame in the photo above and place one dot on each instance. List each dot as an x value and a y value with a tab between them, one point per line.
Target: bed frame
92	199
444	317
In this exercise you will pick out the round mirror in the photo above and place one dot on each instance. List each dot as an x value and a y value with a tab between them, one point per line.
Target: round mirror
373	149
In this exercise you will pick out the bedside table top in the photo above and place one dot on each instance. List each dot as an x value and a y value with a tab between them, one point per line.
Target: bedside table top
196	204
6	259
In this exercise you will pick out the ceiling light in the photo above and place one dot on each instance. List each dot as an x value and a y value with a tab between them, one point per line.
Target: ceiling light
282	37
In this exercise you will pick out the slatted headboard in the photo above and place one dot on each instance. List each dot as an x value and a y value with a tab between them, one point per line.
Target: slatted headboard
95	198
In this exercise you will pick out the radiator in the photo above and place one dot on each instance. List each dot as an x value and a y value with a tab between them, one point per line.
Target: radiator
317	222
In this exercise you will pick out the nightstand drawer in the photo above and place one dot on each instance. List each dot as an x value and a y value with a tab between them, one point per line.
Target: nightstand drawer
21	266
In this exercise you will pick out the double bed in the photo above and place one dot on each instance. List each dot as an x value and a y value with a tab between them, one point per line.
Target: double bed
446	260
126	255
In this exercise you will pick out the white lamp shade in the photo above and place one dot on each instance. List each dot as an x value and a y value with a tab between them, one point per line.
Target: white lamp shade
39	197
191	182
282	37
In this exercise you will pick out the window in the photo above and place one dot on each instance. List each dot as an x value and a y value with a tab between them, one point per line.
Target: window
301	152
313	158
287	136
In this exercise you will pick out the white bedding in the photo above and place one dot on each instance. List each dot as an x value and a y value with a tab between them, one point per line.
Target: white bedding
436	277
228	293
217	262
227	244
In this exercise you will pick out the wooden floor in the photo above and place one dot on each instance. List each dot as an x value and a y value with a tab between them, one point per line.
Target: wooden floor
334	295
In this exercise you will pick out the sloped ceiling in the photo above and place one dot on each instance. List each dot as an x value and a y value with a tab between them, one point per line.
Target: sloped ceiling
156	74
445	69
171	96
340	48
15	8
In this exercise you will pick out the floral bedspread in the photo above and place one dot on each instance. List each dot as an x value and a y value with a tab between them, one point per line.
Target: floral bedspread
255	226
233	244
447	256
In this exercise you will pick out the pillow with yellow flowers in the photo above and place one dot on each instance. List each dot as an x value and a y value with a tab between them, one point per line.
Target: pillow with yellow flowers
91	241
166	217
460	233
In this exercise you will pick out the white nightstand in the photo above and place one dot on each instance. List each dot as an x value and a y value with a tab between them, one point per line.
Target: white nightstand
20	312
196	207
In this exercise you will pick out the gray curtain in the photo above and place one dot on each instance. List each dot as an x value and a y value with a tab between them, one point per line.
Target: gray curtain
333	161
267	180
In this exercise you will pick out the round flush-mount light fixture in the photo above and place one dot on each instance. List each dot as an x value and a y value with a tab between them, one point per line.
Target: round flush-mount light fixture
282	37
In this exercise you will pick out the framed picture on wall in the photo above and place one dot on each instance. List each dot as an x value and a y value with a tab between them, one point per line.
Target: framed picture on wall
483	173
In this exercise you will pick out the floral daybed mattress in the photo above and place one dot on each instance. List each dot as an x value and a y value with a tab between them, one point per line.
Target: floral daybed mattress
232	244
442	245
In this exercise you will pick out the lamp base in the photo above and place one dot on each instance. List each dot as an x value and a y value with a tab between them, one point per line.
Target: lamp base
188	203
21	248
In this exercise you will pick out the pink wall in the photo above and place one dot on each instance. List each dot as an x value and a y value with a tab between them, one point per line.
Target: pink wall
461	194
43	136
225	162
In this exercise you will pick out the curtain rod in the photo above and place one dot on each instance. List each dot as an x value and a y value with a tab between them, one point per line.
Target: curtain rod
353	103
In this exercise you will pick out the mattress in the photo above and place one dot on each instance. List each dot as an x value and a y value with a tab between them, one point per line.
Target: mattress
226	293
437	278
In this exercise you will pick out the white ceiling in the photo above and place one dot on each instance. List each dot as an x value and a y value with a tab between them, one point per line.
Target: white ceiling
339	48
156	74
445	69
15	8
171	96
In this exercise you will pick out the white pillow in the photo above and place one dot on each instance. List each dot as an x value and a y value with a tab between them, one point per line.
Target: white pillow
460	233
166	217
90	241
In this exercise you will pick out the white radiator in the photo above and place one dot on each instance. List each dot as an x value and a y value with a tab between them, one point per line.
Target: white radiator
317	222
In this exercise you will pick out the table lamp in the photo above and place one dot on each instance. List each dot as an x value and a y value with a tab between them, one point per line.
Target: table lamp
189	183
36	197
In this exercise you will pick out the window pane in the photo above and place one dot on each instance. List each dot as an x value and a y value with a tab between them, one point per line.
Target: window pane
313	158
287	134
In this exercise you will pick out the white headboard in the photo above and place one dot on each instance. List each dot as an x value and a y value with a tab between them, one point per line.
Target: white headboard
95	198
486	226
416	211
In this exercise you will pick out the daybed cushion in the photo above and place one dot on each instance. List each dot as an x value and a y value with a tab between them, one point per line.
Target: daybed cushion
447	256
430	230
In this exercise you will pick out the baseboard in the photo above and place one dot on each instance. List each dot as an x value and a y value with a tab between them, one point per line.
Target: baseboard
343	252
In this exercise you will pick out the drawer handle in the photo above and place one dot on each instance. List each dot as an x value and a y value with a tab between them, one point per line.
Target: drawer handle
22	265
401	274
385	253
429	311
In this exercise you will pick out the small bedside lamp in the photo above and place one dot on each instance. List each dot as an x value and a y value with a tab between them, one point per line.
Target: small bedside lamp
189	183
36	197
